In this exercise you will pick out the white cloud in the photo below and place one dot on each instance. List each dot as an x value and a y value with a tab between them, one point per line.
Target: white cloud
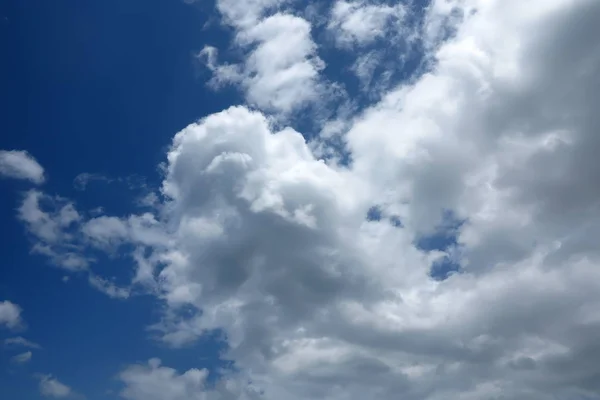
105	231
51	387
444	18
20	165
360	23
245	15
155	382
69	258
281	70
109	232
69	239
108	288
22	358
48	227
52	222
266	235
383	38
21	341
10	315
272	246
62	234
365	68
150	200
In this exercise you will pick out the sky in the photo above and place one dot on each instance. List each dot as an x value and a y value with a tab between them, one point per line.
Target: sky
286	200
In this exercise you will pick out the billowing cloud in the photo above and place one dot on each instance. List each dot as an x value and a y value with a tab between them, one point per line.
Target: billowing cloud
273	246
281	70
317	298
20	165
10	315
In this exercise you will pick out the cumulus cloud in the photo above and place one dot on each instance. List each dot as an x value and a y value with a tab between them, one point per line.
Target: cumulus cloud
273	246
20	165
267	235
261	240
22	358
10	315
281	70
52	387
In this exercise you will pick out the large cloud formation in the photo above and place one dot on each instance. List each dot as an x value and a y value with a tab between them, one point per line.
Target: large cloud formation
317	302
273	247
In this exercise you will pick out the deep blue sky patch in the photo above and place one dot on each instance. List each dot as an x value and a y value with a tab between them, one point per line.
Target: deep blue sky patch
98	87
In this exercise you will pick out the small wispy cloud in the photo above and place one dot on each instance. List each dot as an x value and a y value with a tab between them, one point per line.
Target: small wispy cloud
22	358
22	342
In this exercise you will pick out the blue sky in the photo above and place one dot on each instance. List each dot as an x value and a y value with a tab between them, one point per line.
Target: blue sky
87	85
283	200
